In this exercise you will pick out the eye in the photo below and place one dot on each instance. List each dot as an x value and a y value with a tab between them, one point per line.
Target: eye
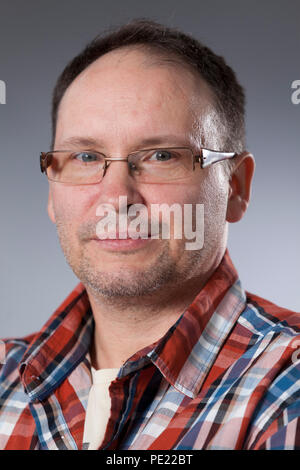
86	157
162	156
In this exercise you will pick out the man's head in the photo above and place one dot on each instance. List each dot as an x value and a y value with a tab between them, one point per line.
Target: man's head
140	85
173	46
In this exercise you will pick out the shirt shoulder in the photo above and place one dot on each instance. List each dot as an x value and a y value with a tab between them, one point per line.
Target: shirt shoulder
17	427
274	349
12	351
266	315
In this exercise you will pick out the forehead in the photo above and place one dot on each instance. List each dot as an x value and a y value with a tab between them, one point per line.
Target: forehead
132	92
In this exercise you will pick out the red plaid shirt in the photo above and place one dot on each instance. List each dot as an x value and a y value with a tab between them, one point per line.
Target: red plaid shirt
225	376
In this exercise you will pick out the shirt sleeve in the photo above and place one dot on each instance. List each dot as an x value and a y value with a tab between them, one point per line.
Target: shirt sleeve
286	437
276	423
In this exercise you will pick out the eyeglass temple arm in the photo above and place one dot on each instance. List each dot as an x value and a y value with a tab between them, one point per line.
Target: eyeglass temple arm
208	157
45	161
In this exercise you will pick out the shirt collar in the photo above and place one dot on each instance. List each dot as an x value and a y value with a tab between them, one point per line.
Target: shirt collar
187	352
184	355
59	346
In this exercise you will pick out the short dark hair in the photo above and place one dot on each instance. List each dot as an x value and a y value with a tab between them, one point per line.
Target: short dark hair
228	93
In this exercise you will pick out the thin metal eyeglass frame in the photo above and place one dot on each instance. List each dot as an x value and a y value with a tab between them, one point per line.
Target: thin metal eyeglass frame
206	157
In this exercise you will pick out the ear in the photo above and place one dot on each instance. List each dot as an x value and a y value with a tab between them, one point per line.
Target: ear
240	187
50	208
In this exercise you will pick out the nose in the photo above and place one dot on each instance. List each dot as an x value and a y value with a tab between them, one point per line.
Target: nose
117	182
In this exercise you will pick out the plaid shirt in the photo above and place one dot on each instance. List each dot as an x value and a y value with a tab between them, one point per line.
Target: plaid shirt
225	376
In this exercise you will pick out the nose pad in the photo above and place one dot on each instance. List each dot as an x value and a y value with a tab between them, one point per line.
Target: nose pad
118	183
131	166
104	168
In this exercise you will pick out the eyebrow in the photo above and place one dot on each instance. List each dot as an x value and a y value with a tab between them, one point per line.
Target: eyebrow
149	141
81	142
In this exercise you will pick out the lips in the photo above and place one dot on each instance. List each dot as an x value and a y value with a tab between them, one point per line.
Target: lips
124	235
122	245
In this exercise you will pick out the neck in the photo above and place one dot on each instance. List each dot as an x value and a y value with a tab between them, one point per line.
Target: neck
124	326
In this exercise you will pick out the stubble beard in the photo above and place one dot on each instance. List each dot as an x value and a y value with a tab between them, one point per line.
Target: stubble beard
126	284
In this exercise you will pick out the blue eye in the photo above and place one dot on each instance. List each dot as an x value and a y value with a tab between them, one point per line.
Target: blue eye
86	157
162	156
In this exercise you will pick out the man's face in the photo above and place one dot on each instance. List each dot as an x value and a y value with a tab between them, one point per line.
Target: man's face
124	102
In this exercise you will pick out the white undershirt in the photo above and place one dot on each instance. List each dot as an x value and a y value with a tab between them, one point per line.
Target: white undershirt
98	409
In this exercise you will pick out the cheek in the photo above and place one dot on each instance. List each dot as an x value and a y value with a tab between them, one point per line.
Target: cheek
71	201
72	204
215	196
180	219
180	193
211	191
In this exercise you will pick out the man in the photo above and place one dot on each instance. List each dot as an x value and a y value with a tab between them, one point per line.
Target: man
159	346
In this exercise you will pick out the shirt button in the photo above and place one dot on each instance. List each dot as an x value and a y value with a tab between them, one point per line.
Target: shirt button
35	379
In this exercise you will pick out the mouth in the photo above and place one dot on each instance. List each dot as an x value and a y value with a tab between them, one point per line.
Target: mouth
122	241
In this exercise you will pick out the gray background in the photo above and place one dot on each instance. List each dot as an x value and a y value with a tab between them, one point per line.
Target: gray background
259	39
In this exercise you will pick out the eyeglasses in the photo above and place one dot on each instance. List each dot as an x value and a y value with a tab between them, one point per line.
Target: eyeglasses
148	166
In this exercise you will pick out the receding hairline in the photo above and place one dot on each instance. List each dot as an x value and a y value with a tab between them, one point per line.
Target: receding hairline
156	56
175	47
